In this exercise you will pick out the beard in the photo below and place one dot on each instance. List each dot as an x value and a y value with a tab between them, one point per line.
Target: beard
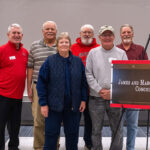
86	41
127	40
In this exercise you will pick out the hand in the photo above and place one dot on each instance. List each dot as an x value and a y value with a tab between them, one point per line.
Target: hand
105	94
82	106
30	94
44	111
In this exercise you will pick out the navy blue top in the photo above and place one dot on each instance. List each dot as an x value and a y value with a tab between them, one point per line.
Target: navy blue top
54	83
67	98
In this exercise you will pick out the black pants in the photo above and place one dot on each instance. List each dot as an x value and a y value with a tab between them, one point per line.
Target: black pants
10	115
87	126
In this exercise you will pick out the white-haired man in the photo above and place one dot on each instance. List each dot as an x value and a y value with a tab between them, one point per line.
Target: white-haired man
134	52
81	48
98	73
39	51
13	62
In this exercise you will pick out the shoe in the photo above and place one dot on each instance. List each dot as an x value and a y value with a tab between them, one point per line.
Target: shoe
58	146
87	147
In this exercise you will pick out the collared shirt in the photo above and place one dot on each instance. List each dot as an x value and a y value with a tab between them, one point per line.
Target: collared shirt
13	65
135	52
39	51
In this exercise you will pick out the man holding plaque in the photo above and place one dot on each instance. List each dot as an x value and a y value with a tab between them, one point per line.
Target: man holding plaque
98	73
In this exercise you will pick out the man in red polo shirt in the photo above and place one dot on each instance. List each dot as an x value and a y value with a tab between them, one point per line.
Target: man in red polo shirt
13	62
81	48
134	52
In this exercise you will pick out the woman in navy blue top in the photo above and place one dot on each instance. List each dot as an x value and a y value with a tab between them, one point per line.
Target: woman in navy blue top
62	91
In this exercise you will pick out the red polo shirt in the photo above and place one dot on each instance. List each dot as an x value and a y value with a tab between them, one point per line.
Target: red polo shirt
12	70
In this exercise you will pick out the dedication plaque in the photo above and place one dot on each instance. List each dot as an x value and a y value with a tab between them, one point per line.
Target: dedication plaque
130	83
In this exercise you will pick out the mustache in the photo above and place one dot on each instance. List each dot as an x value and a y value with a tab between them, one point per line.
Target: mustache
86	41
127	37
50	33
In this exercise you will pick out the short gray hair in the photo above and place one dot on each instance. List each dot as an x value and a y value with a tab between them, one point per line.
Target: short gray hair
126	25
49	22
61	36
87	26
14	25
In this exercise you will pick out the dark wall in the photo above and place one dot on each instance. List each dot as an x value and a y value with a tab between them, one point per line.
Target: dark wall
27	118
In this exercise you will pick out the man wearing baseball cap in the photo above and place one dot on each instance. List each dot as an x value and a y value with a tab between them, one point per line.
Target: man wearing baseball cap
98	73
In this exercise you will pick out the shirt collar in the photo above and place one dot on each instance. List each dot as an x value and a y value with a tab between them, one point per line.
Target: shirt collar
42	42
14	46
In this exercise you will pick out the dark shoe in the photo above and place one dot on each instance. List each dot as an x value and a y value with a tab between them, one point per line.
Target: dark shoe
58	146
13	148
87	147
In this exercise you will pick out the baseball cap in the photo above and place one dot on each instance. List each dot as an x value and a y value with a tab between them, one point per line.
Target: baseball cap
105	28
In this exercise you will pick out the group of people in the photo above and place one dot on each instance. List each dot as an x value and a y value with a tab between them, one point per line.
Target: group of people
63	80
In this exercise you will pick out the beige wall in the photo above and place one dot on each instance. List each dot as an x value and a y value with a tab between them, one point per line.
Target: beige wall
71	14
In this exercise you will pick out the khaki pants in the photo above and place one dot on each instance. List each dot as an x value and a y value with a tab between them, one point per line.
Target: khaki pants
38	129
39	123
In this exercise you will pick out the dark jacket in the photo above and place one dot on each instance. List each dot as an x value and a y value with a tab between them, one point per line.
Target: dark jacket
51	82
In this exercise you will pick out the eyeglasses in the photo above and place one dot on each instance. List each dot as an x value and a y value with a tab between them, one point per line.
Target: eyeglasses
87	32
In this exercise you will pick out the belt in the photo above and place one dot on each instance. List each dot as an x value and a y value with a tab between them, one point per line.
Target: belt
94	97
35	82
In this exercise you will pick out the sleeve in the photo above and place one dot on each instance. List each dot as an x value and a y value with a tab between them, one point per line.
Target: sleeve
30	58
92	82
1	55
42	84
144	54
84	89
0	58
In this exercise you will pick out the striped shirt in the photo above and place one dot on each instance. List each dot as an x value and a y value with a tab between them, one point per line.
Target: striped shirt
39	51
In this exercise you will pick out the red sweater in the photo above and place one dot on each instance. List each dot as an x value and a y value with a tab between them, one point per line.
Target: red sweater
12	70
81	50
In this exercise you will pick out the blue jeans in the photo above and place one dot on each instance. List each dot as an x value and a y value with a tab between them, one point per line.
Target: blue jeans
71	122
131	116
